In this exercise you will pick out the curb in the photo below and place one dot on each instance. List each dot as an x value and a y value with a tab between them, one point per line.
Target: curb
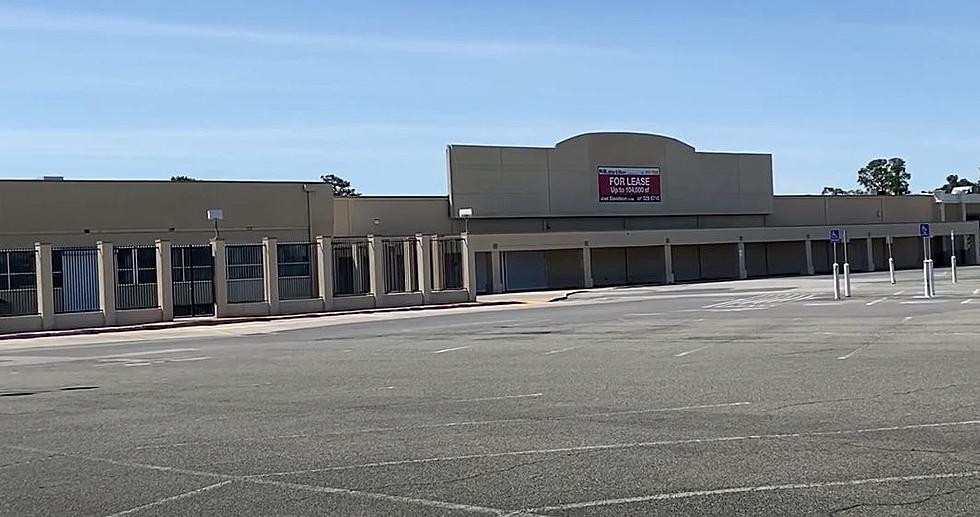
246	319
566	295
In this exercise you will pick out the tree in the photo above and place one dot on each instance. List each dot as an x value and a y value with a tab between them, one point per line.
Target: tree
954	181
885	177
341	187
183	178
837	191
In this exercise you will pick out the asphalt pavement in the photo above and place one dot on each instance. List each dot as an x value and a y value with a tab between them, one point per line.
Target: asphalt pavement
760	397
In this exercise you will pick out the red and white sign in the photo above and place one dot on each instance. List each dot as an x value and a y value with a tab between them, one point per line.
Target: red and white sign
636	184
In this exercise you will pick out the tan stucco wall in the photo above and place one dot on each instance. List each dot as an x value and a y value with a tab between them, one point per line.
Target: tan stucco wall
124	212
395	215
810	210
562	181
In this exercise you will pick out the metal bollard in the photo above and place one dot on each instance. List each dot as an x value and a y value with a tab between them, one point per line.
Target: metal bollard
891	269
836	281
952	267
925	278
847	280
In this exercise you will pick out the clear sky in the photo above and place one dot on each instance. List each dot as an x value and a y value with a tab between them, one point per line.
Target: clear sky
373	91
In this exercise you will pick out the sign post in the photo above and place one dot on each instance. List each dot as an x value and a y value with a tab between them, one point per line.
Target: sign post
847	269
952	255
835	237
891	260
927	276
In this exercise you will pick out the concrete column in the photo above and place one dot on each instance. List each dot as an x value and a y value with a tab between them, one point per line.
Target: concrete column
45	285
469	267
358	267
270	273
496	272
976	248
871	254
107	282
435	254
408	246
324	264
743	273
376	266
808	250
423	247
220	277
962	208
165	280
587	267
668	263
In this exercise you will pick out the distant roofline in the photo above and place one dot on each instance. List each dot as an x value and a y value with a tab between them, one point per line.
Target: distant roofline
591	133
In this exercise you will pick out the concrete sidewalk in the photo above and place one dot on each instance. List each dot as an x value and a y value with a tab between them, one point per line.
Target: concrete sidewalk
211	321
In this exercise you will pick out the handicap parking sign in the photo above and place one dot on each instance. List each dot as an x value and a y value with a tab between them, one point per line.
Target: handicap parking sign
924	230
835	235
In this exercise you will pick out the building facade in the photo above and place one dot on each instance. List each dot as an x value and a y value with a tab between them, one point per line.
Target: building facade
599	209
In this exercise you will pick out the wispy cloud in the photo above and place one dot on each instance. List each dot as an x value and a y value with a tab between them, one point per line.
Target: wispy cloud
44	21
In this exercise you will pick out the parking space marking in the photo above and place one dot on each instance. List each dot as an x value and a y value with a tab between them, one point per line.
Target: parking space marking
753	489
968	300
907	318
444	350
847	356
177	497
483	399
922	302
682	354
560	350
879	300
899	293
431	503
622	446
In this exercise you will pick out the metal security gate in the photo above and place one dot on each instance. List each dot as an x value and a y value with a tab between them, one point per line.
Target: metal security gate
76	279
193	280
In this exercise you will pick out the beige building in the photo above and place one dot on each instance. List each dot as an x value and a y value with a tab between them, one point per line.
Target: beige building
597	209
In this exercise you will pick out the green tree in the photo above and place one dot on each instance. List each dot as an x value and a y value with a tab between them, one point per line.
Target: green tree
885	177
341	187
183	178
954	181
837	191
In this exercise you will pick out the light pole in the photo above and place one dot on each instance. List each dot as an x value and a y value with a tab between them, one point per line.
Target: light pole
216	214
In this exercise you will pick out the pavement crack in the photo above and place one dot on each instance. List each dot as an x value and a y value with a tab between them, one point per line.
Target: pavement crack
913	502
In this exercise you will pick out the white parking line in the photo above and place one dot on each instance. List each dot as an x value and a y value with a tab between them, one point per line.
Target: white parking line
471	423
968	300
753	489
922	302
560	350
431	503
850	354
899	293
907	318
622	446
643	314
976	291
879	300
152	352
482	399
172	498
444	350
682	354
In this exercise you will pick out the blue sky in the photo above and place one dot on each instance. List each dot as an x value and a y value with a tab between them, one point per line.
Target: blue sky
373	91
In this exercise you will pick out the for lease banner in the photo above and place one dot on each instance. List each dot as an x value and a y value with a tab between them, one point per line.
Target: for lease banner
630	184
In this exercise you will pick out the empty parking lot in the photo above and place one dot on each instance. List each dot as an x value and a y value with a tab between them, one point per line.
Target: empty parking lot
741	398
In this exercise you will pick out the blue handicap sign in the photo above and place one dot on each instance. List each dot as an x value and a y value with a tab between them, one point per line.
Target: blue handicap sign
925	230
835	235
